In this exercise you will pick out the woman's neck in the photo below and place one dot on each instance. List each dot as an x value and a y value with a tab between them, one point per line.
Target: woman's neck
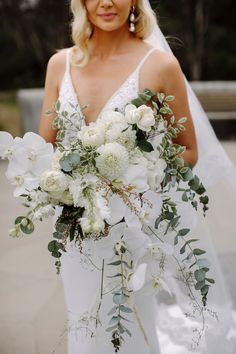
104	44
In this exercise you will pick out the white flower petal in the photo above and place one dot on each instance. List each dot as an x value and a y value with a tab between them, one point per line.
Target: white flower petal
117	210
6	142
105	246
136	175
134	238
152	207
137	279
33	141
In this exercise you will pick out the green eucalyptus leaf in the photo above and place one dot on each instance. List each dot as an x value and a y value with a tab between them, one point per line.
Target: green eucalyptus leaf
205	289
203	263
70	161
114	320
109	329
182	250
199	285
183	232
200	275
120	299
194	183
176	240
185	197
115	263
212	281
204	199
113	310
125	309
198	251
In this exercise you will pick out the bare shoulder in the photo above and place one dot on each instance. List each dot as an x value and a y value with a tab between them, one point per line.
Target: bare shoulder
166	69
56	67
58	60
165	63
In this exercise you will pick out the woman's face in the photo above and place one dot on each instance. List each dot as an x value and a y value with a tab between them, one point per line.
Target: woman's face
108	15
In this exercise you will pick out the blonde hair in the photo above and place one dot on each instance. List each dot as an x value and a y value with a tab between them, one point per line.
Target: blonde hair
82	28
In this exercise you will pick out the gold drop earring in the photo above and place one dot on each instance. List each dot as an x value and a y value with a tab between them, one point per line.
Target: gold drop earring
132	19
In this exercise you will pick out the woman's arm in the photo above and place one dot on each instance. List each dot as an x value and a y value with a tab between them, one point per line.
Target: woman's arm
173	83
55	68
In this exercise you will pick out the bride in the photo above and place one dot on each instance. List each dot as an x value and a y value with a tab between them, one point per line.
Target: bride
119	51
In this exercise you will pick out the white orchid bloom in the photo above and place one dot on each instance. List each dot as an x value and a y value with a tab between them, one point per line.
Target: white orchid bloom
21	178
147	209
136	175
136	280
163	247
8	145
154	285
38	152
30	157
133	238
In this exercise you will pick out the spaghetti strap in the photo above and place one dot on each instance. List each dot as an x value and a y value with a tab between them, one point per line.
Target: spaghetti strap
68	52
144	59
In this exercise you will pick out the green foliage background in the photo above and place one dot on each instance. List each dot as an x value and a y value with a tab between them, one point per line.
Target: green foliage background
31	32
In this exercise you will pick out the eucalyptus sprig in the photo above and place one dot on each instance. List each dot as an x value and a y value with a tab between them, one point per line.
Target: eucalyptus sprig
117	323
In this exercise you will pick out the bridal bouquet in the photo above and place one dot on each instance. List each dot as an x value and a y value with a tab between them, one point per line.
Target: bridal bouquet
118	182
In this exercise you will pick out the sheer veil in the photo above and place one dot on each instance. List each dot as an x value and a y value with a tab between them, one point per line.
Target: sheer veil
213	162
215	170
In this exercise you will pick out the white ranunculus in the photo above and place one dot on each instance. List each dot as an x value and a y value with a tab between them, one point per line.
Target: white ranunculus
131	114
91	135
54	181
112	161
108	118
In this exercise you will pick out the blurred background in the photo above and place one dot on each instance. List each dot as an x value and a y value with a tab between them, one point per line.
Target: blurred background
202	36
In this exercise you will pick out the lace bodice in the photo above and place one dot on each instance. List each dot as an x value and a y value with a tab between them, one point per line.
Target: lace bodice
124	94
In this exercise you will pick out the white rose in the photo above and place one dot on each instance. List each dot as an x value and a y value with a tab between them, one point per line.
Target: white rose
131	114
91	135
53	181
146	118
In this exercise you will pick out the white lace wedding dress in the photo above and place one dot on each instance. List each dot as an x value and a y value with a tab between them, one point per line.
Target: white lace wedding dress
159	324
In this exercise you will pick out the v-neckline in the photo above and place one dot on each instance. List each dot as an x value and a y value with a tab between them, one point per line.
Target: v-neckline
74	91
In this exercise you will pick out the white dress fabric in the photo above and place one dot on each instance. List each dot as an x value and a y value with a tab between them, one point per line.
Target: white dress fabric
159	324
